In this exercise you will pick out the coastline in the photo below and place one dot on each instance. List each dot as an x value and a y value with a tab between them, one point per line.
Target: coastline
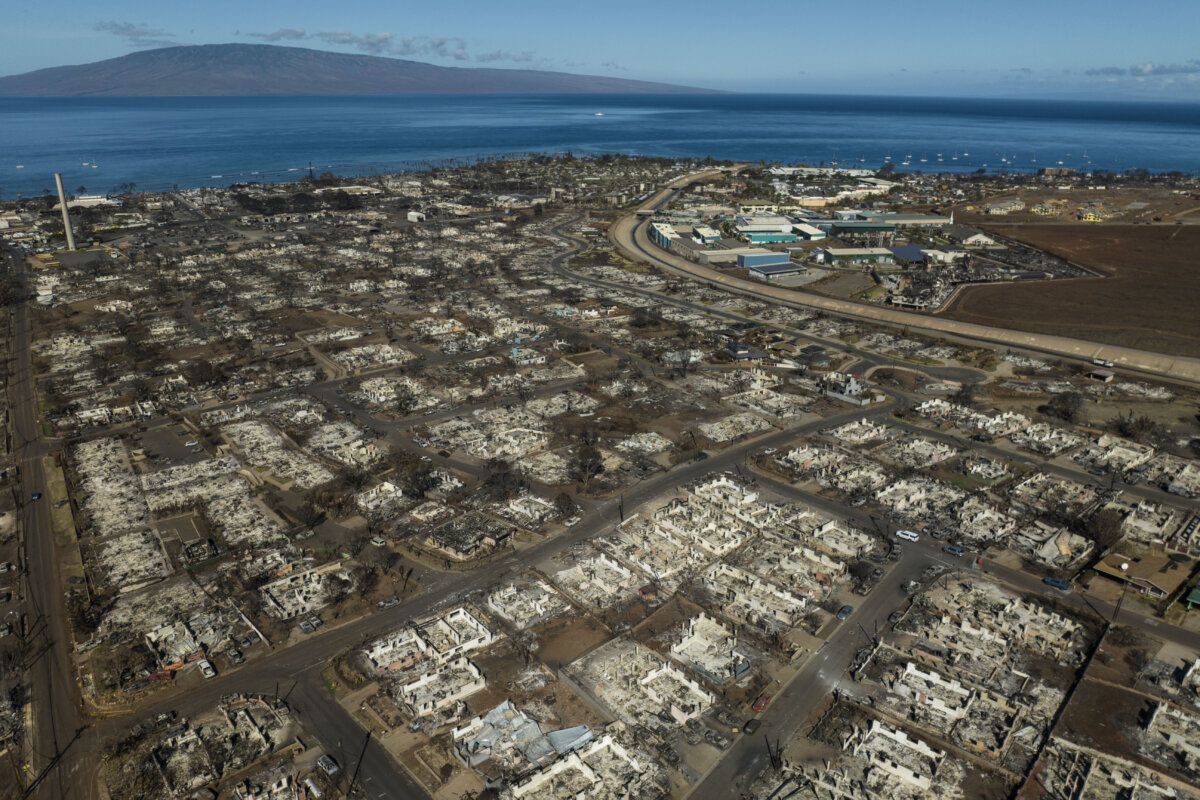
159	143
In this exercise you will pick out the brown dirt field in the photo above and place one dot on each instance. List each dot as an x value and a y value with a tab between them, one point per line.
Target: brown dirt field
1103	717
563	640
842	284
908	381
1147	300
290	322
1122	655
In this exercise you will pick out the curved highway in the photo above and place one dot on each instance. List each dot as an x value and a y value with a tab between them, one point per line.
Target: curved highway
866	358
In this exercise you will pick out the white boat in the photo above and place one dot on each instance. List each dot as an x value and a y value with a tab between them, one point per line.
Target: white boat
20	166
598	114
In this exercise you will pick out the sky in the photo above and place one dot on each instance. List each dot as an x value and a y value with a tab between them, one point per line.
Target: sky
1100	49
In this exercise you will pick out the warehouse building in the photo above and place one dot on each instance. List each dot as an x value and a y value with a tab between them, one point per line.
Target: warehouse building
841	256
761	258
808	232
774	272
907	220
726	253
662	234
764	229
875	234
755	235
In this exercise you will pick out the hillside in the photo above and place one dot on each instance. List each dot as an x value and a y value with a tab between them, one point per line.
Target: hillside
260	69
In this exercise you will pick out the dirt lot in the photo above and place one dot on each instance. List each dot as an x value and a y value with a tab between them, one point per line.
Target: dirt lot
842	284
531	687
1106	718
1147	299
564	639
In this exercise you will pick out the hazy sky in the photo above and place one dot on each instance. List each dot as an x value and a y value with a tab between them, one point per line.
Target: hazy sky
1019	48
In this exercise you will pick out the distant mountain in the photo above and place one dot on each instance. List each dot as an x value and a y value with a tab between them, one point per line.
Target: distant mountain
259	69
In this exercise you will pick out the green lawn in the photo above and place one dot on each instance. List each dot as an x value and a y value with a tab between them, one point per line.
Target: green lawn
61	519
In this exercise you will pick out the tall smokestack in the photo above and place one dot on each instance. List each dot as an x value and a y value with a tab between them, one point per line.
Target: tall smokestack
62	202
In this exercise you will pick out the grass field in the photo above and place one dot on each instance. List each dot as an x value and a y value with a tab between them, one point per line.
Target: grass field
1147	298
61	518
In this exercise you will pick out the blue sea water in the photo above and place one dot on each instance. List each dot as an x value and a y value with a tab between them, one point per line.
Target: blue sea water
157	143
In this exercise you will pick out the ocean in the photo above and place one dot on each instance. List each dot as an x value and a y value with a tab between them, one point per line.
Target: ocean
157	143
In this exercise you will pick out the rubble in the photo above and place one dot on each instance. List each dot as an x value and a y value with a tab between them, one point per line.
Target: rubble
639	687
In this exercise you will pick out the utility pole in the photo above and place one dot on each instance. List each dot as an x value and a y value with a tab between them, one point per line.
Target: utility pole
1124	588
358	765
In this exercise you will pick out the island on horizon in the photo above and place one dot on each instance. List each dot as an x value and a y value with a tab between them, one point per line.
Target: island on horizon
211	70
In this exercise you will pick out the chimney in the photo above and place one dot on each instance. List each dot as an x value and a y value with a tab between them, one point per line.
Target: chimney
62	202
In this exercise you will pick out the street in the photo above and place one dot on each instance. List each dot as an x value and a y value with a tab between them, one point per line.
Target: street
57	751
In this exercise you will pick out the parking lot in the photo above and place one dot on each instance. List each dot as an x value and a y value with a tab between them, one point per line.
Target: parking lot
171	444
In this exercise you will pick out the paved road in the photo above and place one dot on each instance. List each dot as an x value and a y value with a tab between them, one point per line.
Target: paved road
57	719
344	738
791	705
629	235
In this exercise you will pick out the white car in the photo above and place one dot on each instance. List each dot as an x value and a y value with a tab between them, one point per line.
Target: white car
206	669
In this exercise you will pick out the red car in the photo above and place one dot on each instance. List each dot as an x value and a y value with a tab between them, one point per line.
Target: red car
762	702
